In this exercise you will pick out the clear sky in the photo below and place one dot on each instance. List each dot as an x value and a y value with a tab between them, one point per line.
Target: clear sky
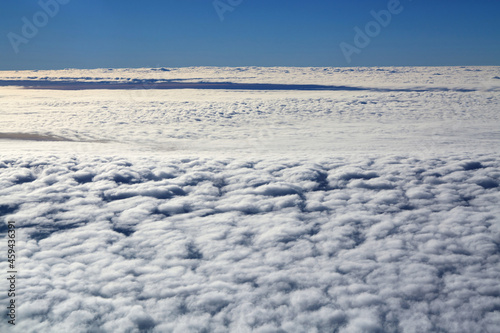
177	33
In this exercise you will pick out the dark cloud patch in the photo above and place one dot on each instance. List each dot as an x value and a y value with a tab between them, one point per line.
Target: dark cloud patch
472	166
8	209
487	183
83	177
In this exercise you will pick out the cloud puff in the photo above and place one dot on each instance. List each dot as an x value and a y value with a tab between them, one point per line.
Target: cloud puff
385	244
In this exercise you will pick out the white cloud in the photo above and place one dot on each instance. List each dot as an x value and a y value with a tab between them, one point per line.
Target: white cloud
255	245
302	211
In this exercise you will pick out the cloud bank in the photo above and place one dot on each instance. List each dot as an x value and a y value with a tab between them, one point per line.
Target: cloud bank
346	244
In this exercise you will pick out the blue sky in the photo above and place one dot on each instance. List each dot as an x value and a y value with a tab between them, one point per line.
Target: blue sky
176	33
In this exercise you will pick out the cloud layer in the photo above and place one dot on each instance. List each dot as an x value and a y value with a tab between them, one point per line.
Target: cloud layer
374	244
404	109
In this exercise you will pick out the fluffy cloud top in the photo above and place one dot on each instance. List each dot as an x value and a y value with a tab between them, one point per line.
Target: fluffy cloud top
378	244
